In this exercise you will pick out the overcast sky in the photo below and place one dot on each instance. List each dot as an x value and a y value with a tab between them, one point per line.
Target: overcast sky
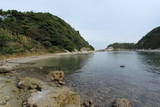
100	22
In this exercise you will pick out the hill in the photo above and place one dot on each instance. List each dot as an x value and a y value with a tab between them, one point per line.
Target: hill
119	46
30	31
150	41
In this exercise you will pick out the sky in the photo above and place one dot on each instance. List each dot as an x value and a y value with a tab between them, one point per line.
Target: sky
100	22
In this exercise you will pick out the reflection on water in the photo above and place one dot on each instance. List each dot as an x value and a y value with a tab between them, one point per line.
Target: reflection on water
101	78
68	64
151	60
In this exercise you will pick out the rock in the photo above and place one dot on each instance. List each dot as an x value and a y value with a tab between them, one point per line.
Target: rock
32	92
54	97
4	99
61	82
40	68
10	95
75	50
122	66
57	76
88	103
5	69
85	49
30	83
121	102
66	51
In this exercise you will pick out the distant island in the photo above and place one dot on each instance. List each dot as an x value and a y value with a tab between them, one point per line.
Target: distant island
27	32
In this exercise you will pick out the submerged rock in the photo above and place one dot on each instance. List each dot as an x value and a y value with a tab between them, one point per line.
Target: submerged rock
122	66
121	102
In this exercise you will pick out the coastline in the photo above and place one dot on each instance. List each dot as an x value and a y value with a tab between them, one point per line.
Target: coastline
12	63
137	50
49	91
148	50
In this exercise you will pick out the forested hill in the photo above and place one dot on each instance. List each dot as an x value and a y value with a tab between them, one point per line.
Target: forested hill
150	41
117	46
28	31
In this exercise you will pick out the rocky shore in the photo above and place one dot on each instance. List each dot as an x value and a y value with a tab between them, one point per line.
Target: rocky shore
32	92
17	91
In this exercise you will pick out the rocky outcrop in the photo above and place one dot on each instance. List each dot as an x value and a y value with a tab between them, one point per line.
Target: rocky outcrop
10	95
49	96
121	102
85	49
31	92
57	76
30	84
54	97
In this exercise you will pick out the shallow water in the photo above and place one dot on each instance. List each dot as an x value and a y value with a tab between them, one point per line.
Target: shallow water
99	76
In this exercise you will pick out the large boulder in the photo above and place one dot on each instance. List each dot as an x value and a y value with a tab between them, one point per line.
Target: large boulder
30	83
57	76
121	102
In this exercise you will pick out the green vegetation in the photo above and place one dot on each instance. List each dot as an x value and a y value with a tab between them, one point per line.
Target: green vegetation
150	41
17	43
117	46
29	31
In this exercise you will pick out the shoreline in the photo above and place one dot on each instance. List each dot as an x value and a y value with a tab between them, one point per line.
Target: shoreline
12	63
136	50
49	91
149	50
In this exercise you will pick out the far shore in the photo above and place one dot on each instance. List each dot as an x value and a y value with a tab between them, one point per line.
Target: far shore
148	50
12	63
138	50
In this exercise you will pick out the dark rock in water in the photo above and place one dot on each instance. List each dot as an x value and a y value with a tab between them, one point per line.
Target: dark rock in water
121	102
88	103
122	66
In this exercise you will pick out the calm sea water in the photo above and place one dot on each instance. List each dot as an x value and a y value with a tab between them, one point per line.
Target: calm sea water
99	76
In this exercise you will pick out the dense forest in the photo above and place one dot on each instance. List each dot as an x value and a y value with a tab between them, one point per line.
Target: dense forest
30	31
116	46
150	41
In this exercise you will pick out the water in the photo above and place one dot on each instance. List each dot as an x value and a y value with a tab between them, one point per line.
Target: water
99	76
